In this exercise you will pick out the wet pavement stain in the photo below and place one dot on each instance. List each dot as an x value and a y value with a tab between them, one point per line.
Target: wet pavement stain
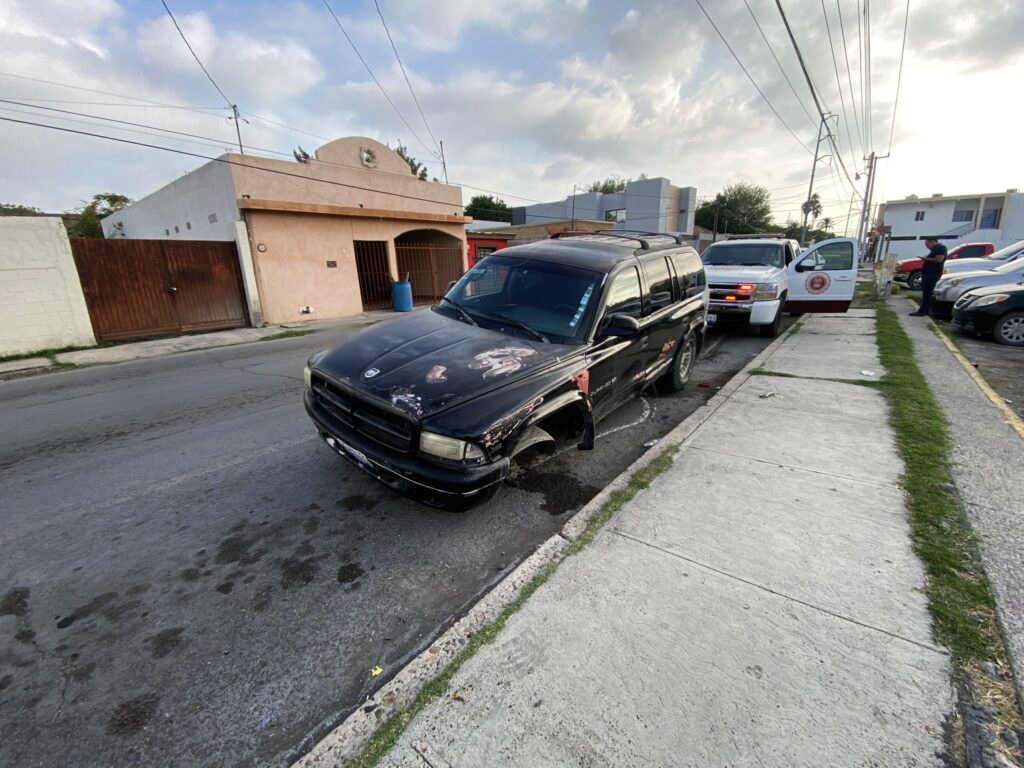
305	548
5	681
131	716
81	673
311	525
358	501
349	572
562	492
190	574
15	602
226	588
96	604
296	573
235	549
262	600
165	642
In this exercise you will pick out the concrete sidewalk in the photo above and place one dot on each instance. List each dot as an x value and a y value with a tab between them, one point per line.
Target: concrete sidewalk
759	604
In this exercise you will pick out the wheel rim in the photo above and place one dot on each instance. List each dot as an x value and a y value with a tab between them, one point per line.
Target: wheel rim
685	360
1012	330
915	282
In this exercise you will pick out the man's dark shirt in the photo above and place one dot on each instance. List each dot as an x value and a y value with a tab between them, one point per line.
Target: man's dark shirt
934	268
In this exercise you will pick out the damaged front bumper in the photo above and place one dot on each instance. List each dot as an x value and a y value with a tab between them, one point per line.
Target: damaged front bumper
452	488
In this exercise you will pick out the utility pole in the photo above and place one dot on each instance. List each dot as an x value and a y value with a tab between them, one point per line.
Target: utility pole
810	190
572	224
714	232
865	215
238	131
444	166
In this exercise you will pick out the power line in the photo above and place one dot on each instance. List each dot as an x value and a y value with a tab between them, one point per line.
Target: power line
860	74
814	93
835	66
771	50
404	73
849	79
194	56
751	79
381	87
228	161
869	109
899	76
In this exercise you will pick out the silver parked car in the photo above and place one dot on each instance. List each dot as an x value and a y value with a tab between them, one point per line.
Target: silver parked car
952	286
1006	255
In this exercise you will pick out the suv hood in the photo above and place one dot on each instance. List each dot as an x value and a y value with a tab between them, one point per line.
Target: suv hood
424	362
970	274
963	265
731	274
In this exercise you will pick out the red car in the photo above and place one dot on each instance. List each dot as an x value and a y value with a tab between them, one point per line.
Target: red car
909	270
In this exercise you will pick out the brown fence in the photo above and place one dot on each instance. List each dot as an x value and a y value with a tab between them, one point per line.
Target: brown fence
146	288
430	268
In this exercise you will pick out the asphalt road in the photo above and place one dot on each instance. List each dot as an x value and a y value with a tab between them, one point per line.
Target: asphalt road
189	577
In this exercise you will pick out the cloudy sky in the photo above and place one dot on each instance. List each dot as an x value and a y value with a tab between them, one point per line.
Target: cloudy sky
529	96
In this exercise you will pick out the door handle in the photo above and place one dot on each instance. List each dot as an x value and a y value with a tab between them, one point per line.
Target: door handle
172	289
643	341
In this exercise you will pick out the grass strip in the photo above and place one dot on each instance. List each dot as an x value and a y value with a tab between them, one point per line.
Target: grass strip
389	733
287	334
959	594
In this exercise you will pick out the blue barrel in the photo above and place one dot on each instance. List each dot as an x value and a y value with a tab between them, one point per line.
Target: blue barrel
401	296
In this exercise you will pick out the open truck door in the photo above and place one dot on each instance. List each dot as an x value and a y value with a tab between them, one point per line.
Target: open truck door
822	277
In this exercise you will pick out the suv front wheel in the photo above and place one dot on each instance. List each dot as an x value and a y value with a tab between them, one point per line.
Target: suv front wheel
682	366
771	330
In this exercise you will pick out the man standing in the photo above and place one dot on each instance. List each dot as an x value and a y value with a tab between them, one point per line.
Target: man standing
930	273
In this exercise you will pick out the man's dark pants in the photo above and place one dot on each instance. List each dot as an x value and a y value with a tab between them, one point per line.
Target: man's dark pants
927	288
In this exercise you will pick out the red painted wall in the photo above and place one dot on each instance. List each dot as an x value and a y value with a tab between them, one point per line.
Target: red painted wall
488	242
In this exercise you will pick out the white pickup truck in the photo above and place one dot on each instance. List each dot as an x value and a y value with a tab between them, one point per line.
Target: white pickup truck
753	281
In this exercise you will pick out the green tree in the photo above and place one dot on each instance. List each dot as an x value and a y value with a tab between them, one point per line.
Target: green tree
488	208
419	170
14	209
85	220
608	186
812	206
742	209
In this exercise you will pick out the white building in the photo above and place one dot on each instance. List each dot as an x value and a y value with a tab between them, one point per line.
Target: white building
996	217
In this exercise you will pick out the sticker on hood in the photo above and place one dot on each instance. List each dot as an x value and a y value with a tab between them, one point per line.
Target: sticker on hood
501	361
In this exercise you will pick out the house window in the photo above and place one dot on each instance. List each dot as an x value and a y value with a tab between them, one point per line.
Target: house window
963	215
484	250
188	225
919	216
167	232
213	218
618	215
990	218
176	230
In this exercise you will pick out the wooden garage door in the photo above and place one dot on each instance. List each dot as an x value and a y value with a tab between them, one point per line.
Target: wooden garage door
147	288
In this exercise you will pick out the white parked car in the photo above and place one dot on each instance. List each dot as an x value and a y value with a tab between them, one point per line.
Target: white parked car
951	287
1013	252
753	281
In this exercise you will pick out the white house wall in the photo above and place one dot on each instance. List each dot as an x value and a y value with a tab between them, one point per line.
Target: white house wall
41	300
200	205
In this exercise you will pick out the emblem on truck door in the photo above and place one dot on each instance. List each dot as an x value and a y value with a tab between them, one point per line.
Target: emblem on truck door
818	282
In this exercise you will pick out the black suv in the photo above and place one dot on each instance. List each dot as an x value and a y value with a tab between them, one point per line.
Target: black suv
531	347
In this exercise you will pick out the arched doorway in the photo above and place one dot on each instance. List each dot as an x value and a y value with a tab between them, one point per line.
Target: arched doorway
431	259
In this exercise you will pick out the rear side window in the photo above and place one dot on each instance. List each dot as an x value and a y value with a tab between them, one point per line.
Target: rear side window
690	279
971	252
624	294
659	283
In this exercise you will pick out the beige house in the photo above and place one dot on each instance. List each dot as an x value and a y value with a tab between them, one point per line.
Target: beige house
318	239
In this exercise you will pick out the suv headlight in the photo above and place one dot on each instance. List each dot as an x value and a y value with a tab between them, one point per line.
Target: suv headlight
953	281
995	298
766	292
451	448
307	377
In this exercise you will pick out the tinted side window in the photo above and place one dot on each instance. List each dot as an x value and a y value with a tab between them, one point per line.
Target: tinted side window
971	251
659	283
837	255
624	294
689	274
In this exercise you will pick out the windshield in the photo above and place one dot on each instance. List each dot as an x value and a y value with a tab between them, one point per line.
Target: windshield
1004	253
551	299
744	255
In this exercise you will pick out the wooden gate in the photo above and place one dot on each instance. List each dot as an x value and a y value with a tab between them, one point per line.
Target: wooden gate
374	273
430	268
145	288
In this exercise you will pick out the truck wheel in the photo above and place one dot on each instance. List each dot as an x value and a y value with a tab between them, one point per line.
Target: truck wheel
914	281
771	330
682	366
1010	329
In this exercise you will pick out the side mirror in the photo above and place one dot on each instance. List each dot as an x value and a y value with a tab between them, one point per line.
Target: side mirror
621	326
805	266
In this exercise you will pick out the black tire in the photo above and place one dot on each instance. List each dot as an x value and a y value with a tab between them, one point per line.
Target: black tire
678	374
914	281
1009	329
771	330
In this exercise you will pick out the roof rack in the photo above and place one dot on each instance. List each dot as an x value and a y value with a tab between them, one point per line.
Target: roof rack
621	234
759	236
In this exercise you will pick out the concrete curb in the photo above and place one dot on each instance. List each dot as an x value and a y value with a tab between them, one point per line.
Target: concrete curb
350	738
